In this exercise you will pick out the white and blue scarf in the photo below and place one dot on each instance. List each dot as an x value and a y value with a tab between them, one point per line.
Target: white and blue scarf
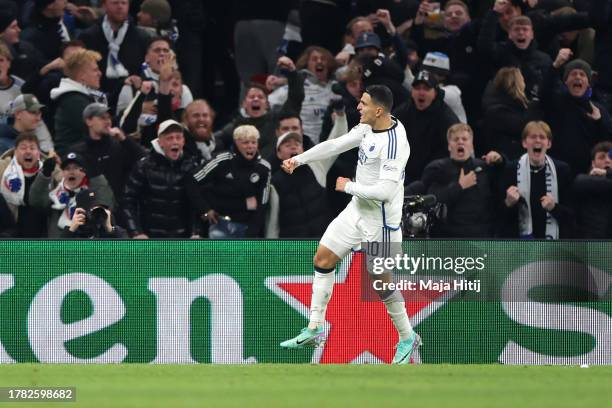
12	186
64	200
114	67
523	180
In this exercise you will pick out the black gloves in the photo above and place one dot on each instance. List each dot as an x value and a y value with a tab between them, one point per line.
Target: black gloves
48	166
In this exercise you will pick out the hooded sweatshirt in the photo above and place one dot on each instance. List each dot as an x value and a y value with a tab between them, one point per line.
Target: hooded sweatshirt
71	98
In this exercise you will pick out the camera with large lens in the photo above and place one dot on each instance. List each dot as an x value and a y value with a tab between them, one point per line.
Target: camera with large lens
96	217
420	214
95	213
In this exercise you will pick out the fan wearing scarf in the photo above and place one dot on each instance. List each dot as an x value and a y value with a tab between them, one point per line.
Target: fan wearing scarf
120	42
19	168
155	103
536	190
60	197
158	52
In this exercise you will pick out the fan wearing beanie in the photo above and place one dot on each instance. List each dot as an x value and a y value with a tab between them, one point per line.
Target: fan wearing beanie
47	29
577	120
26	58
587	72
8	18
9	28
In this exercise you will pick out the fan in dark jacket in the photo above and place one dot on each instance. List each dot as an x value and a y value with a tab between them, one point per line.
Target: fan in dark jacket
601	15
129	46
73	94
287	122
7	222
458	41
519	51
535	191
155	202
546	26
255	110
466	186
299	203
27	60
107	150
506	112
377	69
149	108
578	122
46	29
48	78
593	196
426	118
232	190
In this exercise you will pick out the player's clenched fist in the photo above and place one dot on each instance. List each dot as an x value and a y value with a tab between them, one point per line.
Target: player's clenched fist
289	165
341	183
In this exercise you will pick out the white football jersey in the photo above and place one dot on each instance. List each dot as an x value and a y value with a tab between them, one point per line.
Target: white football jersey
383	155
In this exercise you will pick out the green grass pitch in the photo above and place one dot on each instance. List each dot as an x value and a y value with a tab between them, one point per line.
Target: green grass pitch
267	385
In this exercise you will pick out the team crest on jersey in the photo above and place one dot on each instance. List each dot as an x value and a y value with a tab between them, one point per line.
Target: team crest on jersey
254	178
372	148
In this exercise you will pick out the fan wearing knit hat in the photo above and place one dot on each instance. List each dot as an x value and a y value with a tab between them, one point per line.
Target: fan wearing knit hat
9	30
26	57
578	76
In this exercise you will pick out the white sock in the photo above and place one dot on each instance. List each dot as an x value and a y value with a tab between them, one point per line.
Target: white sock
399	316
322	288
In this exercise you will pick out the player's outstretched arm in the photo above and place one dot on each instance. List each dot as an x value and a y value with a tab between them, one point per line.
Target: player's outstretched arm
331	148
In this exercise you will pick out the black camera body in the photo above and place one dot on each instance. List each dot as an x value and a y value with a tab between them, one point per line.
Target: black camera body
420	214
95	212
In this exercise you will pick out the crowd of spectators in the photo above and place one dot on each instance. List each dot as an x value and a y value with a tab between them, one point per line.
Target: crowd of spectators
170	118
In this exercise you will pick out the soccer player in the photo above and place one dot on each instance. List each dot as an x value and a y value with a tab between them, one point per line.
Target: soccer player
373	215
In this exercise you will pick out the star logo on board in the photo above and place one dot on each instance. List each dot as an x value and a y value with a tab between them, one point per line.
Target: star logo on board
358	331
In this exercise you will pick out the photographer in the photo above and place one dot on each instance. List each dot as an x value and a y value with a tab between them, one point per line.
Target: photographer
92	219
56	195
